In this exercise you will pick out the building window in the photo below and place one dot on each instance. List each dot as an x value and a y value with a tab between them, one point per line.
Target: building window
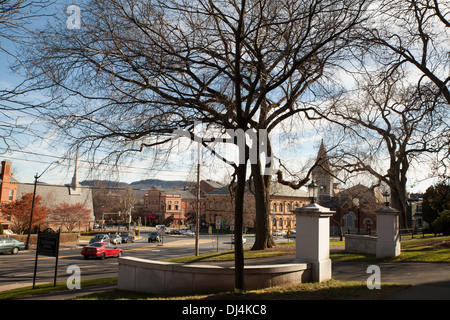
349	220
11	195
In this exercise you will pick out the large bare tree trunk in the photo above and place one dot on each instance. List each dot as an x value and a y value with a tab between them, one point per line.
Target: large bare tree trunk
263	238
239	284
398	201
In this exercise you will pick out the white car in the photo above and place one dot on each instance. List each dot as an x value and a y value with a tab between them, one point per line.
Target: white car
244	240
188	233
115	239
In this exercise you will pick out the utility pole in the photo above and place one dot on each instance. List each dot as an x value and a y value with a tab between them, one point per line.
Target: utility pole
36	177
197	214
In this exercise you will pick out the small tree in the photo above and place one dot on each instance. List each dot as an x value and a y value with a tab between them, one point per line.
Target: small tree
20	212
442	223
70	215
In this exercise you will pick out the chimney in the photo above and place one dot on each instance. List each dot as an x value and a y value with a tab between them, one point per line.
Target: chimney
6	171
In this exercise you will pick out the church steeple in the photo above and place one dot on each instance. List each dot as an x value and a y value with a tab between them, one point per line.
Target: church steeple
322	157
75	186
322	174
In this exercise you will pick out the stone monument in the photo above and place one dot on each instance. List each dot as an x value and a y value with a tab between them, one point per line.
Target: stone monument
313	239
388	237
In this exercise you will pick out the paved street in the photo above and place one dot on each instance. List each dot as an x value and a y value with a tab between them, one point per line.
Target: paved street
429	281
19	269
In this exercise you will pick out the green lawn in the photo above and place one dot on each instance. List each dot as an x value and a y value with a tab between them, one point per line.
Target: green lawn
48	287
328	290
430	249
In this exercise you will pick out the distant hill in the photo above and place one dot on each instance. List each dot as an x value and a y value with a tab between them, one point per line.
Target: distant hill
107	183
158	183
141	184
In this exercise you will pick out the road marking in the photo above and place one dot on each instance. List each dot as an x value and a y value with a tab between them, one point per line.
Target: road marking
156	248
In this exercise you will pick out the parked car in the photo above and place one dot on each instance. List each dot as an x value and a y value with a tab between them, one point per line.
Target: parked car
12	245
188	232
154	236
99	238
175	231
244	240
101	250
278	233
292	234
115	239
127	237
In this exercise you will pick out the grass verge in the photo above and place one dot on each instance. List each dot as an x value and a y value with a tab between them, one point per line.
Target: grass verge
431	250
48	287
329	290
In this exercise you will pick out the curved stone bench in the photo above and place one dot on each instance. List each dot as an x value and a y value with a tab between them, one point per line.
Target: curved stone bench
157	277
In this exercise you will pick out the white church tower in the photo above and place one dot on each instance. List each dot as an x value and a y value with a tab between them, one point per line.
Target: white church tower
322	174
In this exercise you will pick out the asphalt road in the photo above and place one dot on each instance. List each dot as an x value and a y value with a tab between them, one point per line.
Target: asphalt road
19	269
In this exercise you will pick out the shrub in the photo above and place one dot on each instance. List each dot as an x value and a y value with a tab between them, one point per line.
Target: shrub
442	223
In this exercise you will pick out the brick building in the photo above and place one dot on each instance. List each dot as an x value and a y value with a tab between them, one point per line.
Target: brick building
8	191
354	207
171	206
52	195
283	200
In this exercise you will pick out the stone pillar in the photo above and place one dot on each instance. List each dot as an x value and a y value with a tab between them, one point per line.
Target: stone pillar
313	239
388	237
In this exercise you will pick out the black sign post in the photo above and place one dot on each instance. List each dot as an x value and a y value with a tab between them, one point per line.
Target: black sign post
47	245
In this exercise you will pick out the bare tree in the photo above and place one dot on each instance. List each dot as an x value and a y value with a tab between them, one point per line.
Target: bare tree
16	16
137	70
390	124
412	33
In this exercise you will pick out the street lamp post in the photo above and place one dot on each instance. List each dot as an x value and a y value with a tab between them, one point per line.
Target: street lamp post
36	177
313	191
129	217
386	198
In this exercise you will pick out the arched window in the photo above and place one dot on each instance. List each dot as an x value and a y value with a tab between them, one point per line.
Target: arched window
349	220
368	223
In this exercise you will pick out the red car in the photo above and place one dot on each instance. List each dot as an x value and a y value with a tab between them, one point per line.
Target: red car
101	250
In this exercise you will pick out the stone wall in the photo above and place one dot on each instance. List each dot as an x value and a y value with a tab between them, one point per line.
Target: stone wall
150	276
360	244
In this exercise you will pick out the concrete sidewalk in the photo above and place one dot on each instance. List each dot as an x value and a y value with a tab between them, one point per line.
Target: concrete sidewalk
72	294
429	281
